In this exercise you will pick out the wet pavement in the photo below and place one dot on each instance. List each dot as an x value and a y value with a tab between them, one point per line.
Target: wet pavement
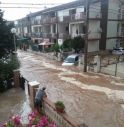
96	100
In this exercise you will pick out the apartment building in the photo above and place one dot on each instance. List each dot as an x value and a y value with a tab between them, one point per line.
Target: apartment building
65	21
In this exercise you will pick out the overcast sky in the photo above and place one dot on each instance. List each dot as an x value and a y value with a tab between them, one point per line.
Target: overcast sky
17	13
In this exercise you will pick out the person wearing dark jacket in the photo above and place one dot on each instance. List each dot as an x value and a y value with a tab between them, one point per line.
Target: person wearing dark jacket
40	94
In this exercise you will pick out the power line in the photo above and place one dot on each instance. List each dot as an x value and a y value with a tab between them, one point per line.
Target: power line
23	7
31	3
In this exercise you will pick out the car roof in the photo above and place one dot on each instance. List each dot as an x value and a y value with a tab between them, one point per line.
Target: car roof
73	55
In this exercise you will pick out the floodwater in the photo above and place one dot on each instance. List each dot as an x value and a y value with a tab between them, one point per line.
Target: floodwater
96	100
14	102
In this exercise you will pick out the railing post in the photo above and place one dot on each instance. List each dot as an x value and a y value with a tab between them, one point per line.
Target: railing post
32	86
16	78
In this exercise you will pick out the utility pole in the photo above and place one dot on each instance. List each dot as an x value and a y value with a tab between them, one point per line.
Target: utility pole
86	35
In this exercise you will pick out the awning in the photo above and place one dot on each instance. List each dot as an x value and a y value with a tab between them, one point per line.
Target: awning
23	40
46	43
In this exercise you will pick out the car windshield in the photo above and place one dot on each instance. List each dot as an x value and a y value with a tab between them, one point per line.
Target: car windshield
69	60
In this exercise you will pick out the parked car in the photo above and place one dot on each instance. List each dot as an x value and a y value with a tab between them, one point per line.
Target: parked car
118	51
71	60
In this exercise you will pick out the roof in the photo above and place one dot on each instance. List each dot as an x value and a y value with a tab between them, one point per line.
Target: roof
46	43
60	7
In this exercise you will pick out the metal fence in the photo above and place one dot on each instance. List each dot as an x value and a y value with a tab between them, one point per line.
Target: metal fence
112	65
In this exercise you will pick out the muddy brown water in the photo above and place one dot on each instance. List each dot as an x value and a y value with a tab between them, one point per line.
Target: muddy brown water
86	101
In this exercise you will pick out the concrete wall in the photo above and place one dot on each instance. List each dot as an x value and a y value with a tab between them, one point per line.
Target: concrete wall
110	43
112	26
94	11
112	29
94	29
113	9
93	46
25	30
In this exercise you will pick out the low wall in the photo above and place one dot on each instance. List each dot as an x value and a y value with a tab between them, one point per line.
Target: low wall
61	119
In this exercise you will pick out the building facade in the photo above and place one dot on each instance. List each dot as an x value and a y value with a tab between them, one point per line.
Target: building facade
106	25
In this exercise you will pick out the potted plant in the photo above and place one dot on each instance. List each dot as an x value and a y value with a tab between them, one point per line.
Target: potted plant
60	106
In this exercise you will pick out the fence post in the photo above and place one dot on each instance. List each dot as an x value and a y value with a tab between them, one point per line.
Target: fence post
116	65
32	86
16	78
97	62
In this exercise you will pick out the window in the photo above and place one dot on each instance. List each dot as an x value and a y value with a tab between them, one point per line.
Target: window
76	59
72	11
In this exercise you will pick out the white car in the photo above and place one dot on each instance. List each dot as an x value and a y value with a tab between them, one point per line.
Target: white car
118	51
71	60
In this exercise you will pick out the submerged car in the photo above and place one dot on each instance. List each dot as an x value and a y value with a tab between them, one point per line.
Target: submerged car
71	60
118	51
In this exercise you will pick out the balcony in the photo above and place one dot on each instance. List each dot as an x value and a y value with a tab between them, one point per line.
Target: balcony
121	17
46	20
46	35
37	35
74	17
94	35
76	35
53	19
54	35
63	35
78	16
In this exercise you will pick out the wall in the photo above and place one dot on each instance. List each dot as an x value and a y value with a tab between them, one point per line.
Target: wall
112	29
93	46
112	26
110	43
25	30
95	10
94	29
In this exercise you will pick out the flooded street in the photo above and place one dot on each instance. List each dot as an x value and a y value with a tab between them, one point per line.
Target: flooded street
96	100
14	102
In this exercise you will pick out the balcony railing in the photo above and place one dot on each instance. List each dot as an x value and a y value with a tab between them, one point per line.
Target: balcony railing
78	16
76	35
48	20
37	22
94	35
53	19
54	35
38	35
63	35
73	17
47	35
121	16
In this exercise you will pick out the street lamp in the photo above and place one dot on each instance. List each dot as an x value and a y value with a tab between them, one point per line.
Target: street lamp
60	43
13	31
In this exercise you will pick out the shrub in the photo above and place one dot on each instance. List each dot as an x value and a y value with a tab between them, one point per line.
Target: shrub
7	65
60	104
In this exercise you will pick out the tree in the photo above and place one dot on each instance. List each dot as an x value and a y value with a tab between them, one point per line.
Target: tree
8	60
67	44
78	43
6	37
